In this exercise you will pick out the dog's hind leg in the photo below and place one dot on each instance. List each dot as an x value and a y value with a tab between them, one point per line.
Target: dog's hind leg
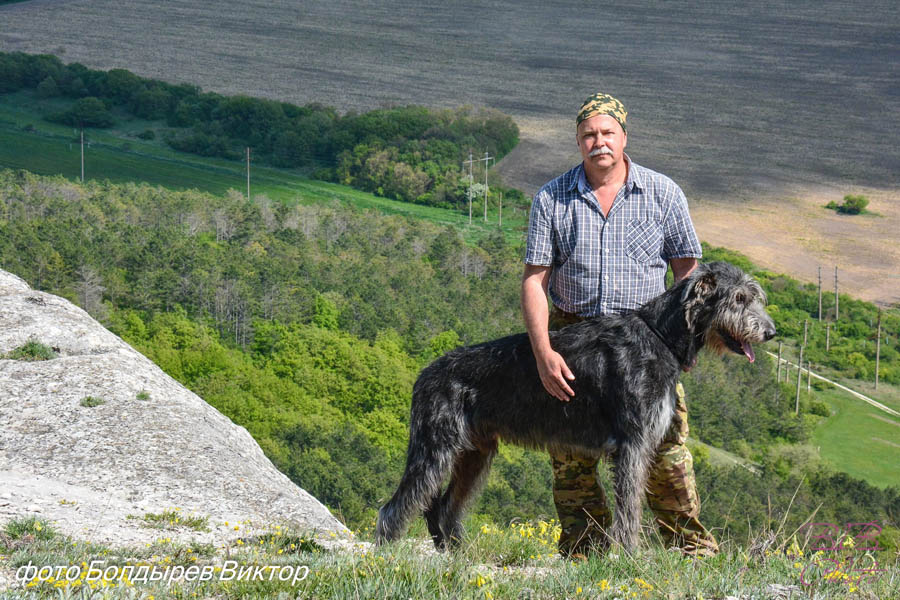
433	521
469	472
434	441
421	483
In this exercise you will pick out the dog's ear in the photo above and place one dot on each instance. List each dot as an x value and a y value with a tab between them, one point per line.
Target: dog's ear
701	284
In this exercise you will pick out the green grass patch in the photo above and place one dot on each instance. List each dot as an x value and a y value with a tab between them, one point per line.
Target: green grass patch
91	401
31	350
859	439
28	526
173	518
143	395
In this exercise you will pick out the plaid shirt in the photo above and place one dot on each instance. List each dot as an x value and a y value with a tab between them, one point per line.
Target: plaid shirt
615	263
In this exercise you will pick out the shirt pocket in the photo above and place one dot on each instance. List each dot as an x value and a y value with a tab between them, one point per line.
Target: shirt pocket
643	241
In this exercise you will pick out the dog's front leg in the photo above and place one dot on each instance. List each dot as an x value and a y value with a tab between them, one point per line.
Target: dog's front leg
631	460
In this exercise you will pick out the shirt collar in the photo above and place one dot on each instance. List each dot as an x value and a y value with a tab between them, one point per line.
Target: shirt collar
635	179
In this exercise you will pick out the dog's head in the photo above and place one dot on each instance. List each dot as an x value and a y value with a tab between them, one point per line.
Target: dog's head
726	308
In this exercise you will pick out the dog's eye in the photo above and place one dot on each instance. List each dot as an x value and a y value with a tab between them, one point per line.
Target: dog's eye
740	299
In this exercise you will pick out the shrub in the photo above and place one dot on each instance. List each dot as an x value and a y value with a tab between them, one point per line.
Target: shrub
86	112
817	407
91	401
147	134
30	351
47	88
852	205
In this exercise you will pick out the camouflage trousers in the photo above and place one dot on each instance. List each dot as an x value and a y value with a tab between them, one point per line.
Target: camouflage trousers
582	506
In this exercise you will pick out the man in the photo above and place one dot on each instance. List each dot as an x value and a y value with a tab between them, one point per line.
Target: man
600	239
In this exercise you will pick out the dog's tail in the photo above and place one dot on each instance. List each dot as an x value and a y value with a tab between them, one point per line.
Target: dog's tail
437	434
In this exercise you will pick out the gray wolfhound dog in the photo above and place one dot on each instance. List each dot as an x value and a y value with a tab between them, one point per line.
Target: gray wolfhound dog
626	367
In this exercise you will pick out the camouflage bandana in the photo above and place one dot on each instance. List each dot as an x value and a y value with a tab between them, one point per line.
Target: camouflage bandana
602	104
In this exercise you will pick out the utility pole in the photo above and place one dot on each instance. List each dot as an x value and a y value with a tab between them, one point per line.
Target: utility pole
248	173
820	293
837	302
778	372
469	187
487	158
878	349
799	377
500	212
827	337
805	331
82	155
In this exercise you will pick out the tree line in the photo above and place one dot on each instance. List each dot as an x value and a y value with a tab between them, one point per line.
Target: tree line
409	153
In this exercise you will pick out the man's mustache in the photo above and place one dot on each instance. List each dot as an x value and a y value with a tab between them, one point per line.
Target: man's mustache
599	151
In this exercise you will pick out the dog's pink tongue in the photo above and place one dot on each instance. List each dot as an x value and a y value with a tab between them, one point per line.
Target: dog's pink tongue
748	350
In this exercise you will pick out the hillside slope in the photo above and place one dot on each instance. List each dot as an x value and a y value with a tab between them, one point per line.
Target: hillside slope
151	446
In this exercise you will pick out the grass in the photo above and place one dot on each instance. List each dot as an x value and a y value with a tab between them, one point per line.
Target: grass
32	350
143	395
26	527
28	142
91	401
173	518
517	561
859	439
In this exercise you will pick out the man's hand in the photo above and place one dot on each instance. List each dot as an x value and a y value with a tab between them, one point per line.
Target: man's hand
554	372
551	365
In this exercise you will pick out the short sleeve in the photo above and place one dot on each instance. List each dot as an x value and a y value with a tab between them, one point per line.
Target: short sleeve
539	245
680	238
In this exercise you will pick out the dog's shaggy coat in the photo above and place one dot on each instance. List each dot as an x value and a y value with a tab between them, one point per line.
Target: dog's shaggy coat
625	366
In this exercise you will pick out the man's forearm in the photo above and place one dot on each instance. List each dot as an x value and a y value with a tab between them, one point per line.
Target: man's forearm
536	314
682	267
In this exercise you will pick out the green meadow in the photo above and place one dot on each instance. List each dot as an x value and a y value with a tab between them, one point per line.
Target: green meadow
859	439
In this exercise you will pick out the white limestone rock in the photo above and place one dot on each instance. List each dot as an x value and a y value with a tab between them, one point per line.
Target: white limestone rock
92	470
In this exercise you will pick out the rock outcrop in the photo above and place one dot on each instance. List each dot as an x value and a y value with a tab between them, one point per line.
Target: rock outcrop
151	446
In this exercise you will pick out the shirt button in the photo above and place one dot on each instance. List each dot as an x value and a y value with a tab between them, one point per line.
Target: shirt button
606	278
606	250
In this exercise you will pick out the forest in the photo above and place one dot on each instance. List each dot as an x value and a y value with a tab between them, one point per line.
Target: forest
308	324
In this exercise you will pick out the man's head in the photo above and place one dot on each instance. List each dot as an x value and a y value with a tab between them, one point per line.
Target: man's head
600	131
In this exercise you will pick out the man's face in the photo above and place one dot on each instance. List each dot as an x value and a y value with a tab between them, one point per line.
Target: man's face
601	140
